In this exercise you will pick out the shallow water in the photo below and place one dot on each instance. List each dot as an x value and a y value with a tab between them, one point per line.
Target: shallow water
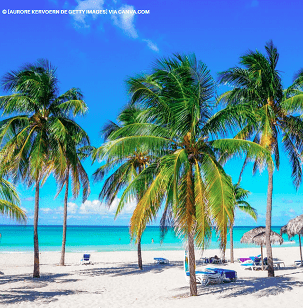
103	238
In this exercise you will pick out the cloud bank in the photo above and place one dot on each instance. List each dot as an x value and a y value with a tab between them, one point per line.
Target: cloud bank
125	22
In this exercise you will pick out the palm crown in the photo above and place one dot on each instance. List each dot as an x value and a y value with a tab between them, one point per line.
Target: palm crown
257	86
121	171
36	139
179	131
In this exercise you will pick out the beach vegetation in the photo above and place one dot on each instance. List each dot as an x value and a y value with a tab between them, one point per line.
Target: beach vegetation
10	201
182	131
37	125
71	171
121	170
257	86
240	203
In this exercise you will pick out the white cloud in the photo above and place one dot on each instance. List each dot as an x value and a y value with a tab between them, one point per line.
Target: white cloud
97	207
90	207
46	210
72	208
81	20
126	21
151	45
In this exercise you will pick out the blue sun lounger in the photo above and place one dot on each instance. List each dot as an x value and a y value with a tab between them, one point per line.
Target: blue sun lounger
161	260
203	277
226	274
85	259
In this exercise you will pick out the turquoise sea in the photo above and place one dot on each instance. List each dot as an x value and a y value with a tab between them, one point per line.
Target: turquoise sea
19	238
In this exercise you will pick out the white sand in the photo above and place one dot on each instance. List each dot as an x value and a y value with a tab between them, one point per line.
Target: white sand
113	280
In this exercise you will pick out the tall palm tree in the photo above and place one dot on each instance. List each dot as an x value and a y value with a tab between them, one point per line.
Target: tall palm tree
10	202
240	203
34	135
125	169
182	134
257	86
75	149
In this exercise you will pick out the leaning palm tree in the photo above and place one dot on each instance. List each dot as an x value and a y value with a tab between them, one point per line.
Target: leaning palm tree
33	137
10	202
257	87
240	203
76	148
125	169
180	131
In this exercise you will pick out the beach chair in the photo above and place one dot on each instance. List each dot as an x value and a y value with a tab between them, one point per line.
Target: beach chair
202	277
298	263
161	260
278	264
211	260
255	263
241	260
85	259
226	274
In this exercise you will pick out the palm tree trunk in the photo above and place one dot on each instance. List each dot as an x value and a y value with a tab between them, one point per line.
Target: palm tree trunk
191	243
139	254
262	259
36	273
192	265
223	253
300	249
62	260
231	243
271	272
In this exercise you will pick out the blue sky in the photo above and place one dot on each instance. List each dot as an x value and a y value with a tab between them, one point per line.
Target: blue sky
98	52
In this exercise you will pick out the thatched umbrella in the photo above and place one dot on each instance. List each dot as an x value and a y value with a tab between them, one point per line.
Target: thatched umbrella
293	227
258	237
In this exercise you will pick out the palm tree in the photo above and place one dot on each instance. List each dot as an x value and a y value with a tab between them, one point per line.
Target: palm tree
257	87
34	135
240	203
76	148
125	169
9	202
181	133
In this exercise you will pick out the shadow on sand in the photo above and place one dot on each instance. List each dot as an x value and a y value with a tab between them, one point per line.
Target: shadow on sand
127	269
256	286
25	288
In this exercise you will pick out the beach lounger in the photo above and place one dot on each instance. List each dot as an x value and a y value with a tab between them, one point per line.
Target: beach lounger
226	274
241	260
211	260
204	277
85	259
278	264
161	260
255	264
297	263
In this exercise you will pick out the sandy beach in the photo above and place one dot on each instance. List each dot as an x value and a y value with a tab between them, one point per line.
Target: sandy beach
113	280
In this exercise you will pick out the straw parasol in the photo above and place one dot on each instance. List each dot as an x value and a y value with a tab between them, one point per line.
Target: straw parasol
293	227
257	236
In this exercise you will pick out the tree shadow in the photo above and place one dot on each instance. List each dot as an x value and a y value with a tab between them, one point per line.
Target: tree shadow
128	269
43	280
259	287
16	296
28	291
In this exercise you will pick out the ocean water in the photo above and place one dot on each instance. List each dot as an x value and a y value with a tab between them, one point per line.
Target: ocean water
19	238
